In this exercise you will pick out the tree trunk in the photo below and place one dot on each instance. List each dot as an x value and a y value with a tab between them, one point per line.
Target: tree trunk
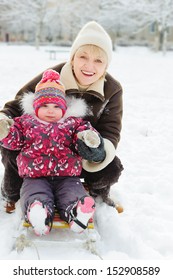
164	46
38	35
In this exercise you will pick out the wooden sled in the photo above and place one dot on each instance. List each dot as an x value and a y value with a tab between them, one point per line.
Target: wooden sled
86	240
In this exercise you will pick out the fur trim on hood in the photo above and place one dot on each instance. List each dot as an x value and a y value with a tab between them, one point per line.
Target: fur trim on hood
76	107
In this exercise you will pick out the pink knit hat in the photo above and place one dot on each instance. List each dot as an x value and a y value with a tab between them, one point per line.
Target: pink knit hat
50	90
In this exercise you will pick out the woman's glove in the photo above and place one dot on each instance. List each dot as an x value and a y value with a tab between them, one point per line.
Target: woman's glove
91	146
5	125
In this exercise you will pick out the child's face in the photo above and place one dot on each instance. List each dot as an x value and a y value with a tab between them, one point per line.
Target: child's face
88	66
50	113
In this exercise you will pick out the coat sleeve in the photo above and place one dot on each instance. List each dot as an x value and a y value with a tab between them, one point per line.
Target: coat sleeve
14	139
110	122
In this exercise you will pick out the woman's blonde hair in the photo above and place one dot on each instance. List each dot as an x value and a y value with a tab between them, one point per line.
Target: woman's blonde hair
95	50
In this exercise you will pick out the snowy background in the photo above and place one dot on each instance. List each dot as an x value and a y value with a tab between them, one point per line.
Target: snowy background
144	230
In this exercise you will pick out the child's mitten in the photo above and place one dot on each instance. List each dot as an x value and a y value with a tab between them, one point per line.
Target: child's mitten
5	125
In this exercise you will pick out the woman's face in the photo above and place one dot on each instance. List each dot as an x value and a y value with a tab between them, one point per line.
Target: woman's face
89	66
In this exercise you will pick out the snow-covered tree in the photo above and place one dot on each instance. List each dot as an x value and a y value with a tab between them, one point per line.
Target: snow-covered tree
25	15
160	14
132	16
71	15
114	16
55	17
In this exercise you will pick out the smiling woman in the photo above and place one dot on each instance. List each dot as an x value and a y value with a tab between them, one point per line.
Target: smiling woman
84	76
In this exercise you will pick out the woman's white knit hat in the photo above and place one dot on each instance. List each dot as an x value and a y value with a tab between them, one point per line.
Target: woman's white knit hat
93	34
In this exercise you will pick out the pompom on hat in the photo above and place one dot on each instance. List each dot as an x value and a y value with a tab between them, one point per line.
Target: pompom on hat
93	33
50	90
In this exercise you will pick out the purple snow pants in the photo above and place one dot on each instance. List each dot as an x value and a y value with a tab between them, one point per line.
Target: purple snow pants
61	192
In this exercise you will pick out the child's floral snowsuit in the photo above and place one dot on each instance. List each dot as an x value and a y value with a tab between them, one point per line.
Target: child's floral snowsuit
47	149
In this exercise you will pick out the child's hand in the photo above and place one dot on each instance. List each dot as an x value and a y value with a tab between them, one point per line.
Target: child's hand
91	146
5	125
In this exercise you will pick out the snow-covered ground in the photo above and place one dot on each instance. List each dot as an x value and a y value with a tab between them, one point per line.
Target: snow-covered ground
144	231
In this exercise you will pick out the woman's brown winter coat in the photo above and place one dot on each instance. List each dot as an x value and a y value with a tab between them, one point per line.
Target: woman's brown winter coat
106	110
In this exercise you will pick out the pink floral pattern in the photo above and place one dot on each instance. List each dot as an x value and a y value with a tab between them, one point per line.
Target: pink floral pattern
46	149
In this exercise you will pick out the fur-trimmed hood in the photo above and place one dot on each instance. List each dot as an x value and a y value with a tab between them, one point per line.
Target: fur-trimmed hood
76	107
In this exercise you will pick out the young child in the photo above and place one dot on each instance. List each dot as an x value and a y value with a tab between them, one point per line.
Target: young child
52	142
